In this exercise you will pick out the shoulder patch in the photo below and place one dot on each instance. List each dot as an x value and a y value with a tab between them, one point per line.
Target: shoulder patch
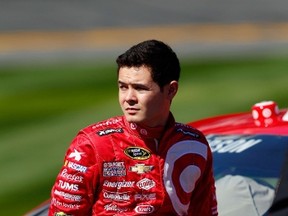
189	133
109	131
107	123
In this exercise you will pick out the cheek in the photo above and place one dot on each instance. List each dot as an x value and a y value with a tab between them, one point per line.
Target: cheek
120	98
154	102
121	95
146	99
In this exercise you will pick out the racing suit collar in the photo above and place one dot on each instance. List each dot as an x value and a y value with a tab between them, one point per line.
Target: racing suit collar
148	132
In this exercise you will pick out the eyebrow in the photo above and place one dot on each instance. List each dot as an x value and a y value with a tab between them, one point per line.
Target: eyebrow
120	82
134	84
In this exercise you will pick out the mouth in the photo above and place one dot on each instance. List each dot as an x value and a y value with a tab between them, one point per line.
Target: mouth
131	111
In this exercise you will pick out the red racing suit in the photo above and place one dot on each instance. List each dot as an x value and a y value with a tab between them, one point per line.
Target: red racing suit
119	168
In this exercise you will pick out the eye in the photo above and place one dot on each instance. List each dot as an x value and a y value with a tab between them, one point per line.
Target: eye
141	88
122	87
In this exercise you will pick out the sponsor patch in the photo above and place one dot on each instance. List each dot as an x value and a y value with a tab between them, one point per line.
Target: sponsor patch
61	214
146	184
106	123
68	186
71	177
115	208
119	184
145	197
114	168
137	153
75	166
144	209
68	196
75	155
109	131
116	196
57	203
140	168
195	135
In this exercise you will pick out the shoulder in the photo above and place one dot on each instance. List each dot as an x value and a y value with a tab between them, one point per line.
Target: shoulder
187	130
91	136
105	127
190	136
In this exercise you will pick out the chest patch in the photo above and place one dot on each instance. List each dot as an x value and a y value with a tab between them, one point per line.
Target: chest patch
137	153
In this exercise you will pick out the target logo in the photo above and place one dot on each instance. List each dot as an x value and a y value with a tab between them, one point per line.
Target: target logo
181	180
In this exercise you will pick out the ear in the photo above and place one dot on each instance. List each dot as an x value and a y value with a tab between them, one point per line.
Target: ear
172	89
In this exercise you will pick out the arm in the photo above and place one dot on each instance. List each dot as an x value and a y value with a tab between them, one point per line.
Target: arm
73	191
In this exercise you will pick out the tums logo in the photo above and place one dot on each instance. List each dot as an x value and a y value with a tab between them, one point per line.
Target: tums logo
67	186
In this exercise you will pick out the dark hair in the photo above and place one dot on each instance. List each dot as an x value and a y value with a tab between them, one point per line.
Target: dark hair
157	56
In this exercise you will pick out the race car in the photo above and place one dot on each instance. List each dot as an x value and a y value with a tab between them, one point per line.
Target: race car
250	151
250	160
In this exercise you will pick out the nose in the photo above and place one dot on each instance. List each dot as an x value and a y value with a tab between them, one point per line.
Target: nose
131	96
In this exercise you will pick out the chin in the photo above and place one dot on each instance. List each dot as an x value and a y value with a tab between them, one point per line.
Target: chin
133	119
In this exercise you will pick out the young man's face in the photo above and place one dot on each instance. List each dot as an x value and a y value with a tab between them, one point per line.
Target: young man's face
141	99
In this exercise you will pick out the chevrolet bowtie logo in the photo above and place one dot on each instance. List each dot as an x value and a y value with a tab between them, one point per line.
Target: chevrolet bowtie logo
141	168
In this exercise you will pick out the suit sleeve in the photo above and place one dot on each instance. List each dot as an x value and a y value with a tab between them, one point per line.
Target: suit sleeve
76	183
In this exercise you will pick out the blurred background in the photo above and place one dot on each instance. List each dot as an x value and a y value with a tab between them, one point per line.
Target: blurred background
57	72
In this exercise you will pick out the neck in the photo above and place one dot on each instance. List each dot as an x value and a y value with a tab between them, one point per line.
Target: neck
148	131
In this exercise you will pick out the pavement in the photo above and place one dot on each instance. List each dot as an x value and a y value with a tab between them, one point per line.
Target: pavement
41	31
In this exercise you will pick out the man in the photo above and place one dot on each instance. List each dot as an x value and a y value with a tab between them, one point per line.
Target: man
142	162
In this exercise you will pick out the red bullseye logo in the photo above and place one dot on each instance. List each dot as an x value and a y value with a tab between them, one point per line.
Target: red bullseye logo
180	181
